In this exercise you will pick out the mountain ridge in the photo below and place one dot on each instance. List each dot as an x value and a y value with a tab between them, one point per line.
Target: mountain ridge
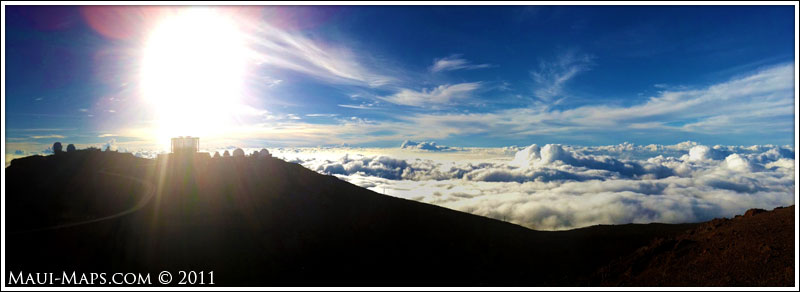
266	222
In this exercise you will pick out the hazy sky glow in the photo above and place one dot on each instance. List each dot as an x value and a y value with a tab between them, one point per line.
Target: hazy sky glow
551	117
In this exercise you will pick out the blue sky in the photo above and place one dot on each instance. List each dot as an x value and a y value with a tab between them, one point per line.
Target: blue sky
487	76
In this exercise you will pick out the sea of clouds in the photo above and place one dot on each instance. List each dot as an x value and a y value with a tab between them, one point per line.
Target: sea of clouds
556	187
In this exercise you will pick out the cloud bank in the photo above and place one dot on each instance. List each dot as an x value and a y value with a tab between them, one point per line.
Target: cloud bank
429	146
554	187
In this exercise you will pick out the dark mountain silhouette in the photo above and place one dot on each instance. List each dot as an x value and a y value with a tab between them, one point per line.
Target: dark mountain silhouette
264	222
754	249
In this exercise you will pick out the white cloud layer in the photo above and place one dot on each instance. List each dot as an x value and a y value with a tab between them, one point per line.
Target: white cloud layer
553	187
428	146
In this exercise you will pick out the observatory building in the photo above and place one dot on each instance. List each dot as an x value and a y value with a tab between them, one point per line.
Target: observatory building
185	144
185	148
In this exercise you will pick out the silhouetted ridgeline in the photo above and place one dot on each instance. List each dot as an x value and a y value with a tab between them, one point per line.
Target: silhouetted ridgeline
754	249
265	222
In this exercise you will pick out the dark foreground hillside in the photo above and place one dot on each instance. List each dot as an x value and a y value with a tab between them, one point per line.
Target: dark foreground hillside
266	222
756	249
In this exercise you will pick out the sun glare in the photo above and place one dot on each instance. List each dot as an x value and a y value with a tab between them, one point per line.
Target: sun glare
193	73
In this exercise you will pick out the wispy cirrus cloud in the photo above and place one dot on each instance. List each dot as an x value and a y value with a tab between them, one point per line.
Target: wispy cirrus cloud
437	96
322	115
52	136
551	76
761	100
455	62
358	106
276	47
41	129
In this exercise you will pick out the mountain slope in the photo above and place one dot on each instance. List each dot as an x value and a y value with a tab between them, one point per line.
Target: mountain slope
754	249
266	222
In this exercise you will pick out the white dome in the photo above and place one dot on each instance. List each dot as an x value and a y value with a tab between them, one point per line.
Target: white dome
238	152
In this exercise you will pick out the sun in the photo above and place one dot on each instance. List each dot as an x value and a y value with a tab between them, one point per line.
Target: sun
192	73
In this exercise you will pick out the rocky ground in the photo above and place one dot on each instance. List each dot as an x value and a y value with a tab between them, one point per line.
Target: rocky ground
754	249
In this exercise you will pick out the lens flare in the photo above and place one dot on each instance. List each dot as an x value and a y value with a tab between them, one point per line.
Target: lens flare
193	71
